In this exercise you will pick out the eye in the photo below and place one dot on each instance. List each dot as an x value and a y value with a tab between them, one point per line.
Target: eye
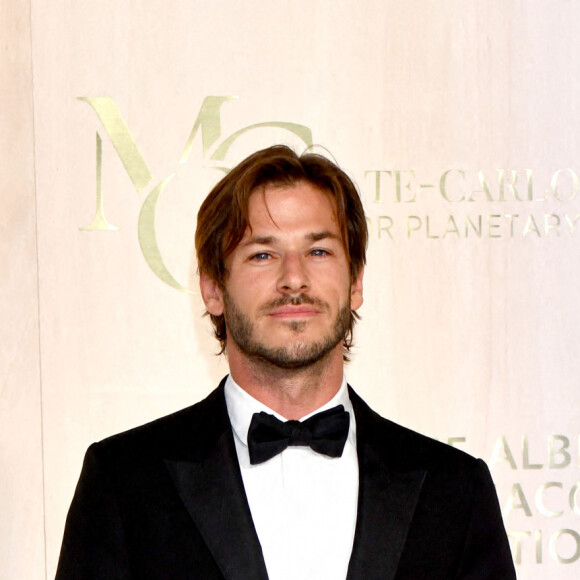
260	256
319	252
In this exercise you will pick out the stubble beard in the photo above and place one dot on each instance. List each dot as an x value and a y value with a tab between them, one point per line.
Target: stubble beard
294	355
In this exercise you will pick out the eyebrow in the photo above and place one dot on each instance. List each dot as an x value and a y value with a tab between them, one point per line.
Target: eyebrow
313	237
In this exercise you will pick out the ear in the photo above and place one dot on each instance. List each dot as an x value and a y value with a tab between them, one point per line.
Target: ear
212	295
356	291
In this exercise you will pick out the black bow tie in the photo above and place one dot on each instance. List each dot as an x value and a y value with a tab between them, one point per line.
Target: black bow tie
324	432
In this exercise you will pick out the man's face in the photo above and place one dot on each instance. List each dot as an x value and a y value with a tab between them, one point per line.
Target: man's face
288	294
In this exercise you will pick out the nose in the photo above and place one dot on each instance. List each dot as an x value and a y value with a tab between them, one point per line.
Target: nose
293	276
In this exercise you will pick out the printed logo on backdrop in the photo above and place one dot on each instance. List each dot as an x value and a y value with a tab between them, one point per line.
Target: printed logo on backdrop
405	204
215	147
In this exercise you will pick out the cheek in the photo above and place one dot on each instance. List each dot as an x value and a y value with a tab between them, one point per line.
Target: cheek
248	293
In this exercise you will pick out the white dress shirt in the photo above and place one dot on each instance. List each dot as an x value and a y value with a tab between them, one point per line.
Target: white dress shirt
304	504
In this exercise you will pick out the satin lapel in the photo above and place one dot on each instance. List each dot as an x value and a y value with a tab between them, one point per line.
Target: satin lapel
388	496
212	490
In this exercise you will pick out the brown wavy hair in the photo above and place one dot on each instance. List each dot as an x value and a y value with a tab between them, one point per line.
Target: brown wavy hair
223	217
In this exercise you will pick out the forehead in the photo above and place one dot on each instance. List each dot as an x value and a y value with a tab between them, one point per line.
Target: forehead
300	206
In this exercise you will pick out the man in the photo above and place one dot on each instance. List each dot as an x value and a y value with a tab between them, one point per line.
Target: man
283	471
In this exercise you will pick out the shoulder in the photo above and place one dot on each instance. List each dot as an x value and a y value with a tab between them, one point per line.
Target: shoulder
457	529
454	485
184	433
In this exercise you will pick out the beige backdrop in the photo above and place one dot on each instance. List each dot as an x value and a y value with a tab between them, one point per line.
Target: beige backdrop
459	122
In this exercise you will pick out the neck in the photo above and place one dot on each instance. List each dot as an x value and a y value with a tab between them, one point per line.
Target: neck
293	393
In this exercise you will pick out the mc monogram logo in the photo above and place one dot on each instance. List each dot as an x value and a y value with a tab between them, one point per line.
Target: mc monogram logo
215	148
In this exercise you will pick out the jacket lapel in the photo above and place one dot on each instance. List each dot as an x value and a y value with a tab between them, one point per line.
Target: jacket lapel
207	476
210	485
388	495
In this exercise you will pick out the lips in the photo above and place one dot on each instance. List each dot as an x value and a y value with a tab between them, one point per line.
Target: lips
295	311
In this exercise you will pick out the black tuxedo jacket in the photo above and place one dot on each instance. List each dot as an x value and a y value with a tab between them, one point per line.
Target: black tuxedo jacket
166	501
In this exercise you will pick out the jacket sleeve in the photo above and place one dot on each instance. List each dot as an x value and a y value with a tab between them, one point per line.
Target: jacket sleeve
486	553
93	546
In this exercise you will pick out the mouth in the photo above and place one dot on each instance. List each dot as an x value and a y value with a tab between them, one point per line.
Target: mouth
295	311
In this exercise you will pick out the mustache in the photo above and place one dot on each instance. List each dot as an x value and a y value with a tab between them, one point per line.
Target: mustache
294	301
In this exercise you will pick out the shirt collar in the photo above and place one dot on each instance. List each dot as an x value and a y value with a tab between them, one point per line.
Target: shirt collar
241	407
